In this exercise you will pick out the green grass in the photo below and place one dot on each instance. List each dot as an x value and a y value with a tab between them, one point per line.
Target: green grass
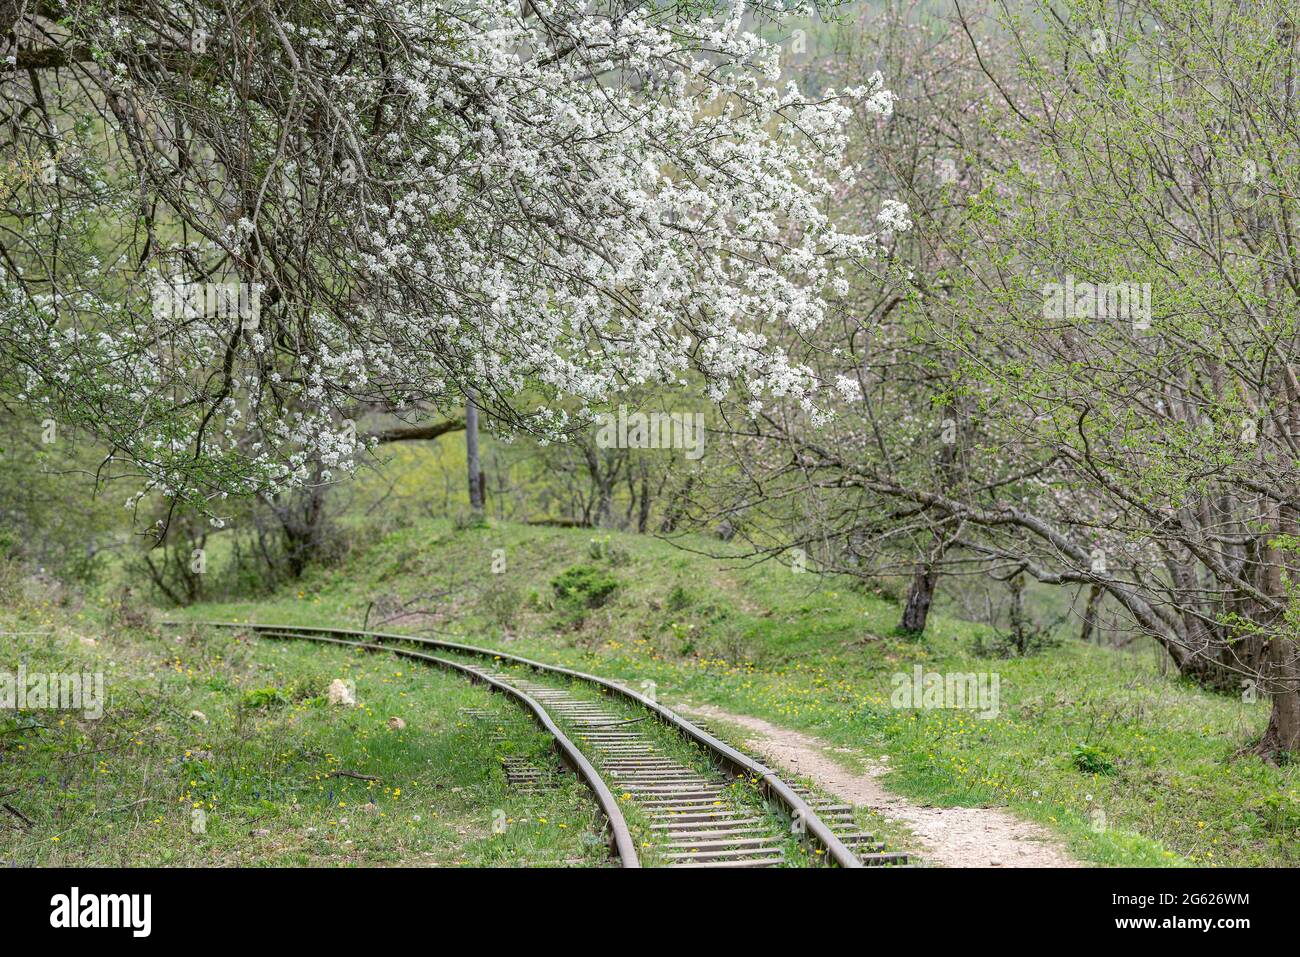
267	760
817	655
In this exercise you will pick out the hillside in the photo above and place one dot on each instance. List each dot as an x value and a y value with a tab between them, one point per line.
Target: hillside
1128	766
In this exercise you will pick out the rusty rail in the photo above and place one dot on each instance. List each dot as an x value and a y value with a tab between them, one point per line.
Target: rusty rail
814	828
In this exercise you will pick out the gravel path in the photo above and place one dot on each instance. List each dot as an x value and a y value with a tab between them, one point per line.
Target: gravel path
949	836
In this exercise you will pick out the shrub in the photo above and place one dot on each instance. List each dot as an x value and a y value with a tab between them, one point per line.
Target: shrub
11	581
264	698
501	601
584	586
678	598
1091	759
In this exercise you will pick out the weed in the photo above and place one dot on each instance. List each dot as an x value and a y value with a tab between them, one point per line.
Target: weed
1091	759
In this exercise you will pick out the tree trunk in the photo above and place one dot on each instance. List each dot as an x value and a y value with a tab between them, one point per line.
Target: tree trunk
301	515
1282	684
303	531
919	598
676	508
916	610
1019	633
471	456
1279	669
643	514
1090	613
604	467
604	505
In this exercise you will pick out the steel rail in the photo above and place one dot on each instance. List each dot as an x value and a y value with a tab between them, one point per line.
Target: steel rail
621	836
812	826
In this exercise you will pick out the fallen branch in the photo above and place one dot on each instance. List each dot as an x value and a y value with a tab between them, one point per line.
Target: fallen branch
18	814
353	774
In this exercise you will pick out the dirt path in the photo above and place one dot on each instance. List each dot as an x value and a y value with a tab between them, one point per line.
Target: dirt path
950	837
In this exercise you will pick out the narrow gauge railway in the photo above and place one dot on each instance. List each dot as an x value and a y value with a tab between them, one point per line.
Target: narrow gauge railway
694	820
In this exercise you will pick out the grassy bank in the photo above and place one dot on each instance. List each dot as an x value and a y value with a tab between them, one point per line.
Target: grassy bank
223	751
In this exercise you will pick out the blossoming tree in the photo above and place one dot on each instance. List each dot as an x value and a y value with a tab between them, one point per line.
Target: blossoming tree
396	203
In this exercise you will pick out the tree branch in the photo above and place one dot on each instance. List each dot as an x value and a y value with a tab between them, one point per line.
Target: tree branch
413	433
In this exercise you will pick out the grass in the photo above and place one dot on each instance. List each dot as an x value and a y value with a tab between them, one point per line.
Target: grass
226	751
818	655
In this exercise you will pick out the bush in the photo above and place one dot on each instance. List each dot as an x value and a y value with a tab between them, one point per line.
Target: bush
679	598
584	586
1091	759
469	520
501	601
1024	643
264	698
11	581
603	549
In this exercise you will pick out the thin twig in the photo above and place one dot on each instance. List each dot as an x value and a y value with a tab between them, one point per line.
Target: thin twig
18	814
353	774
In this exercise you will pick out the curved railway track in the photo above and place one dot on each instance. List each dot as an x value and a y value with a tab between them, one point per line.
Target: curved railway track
692	816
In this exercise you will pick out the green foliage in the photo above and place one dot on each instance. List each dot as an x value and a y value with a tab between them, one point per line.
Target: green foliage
584	586
1279	814
1030	639
51	516
11	579
603	549
8	544
258	698
678	599
471	521
502	601
1091	759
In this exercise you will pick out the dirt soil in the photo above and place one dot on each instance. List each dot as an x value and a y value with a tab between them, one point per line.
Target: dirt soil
948	836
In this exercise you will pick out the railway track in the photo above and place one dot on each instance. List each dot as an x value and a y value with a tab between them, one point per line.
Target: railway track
691	813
